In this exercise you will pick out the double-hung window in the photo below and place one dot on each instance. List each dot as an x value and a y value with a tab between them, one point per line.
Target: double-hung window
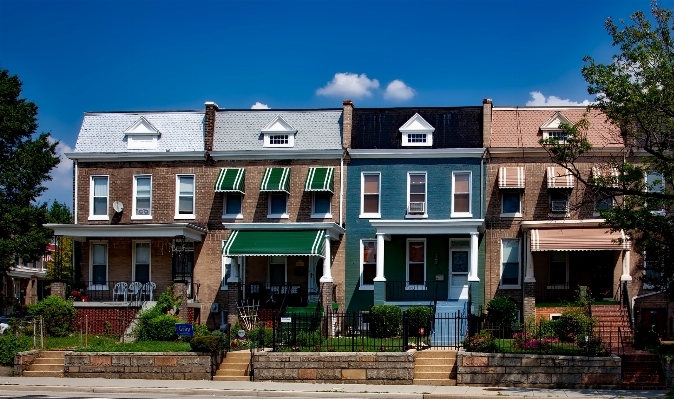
278	205
368	264
185	193
511	203
142	197
416	263
98	202
655	183
510	263
141	262
370	194
416	194
321	204
232	206
98	265
461	183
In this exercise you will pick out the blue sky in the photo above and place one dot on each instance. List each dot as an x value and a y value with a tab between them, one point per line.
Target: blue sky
95	55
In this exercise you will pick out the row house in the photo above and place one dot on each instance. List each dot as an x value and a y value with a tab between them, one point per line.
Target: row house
415	208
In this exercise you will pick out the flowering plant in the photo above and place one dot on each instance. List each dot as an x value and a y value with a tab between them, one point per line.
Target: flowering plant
525	341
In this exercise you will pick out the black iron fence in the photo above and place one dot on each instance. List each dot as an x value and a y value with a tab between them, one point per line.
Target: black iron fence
275	296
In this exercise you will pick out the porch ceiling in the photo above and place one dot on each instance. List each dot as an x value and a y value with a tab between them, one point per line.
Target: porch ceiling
83	231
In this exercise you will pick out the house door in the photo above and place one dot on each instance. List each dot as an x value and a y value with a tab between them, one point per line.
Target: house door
315	274
458	276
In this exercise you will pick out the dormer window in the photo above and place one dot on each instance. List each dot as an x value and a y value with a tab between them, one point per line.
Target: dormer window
279	133
551	129
416	132
142	135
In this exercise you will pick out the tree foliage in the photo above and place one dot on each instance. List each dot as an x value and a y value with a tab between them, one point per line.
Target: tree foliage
60	267
636	93
25	161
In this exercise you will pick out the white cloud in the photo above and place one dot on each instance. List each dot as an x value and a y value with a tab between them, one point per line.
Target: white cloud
398	90
60	186
539	99
259	105
349	85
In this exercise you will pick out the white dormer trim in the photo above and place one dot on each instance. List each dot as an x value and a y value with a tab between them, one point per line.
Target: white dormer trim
142	135
279	133
416	132
551	127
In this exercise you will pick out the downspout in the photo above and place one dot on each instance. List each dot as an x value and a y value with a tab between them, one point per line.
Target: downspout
341	188
75	192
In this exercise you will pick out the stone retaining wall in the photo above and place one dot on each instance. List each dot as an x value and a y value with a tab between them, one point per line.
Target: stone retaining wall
142	365
668	370
22	360
334	367
537	371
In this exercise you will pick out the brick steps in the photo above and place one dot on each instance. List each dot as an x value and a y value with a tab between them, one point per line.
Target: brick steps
234	367
641	371
437	368
48	364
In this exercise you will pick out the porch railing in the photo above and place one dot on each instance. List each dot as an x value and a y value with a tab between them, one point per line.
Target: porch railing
556	292
118	291
406	291
275	296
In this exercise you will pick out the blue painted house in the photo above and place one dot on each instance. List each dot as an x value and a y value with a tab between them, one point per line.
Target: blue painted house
415	214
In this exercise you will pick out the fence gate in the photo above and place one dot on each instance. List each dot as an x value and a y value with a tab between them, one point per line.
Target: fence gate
445	331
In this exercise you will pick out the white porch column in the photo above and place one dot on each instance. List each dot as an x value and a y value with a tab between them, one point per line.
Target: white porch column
626	266
327	270
380	259
472	272
529	270
234	271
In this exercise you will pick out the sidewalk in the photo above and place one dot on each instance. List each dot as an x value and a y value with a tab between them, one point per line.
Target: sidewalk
279	390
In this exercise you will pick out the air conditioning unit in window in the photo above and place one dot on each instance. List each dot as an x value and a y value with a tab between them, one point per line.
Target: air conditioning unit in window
560	206
417	208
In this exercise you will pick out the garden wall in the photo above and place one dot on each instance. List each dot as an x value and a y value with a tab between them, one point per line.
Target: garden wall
384	368
537	371
668	369
24	359
141	365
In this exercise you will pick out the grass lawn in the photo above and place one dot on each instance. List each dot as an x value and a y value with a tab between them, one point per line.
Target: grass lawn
97	343
356	344
561	348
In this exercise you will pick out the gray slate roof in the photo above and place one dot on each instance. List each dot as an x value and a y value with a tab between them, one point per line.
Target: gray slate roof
181	131
241	130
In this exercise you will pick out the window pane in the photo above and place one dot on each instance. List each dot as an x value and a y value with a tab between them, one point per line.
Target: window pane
100	186
278	203
461	203
416	273
371	203
98	274
459	261
98	256
142	273
101	206
369	251
369	272
233	206
277	274
371	184
510	250
511	202
142	252
461	181
654	181
321	202
142	206
143	186
416	251
510	274
185	205
186	185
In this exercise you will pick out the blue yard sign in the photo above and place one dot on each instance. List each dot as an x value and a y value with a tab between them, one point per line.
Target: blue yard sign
184	330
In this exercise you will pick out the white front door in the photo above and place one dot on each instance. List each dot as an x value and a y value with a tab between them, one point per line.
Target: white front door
458	273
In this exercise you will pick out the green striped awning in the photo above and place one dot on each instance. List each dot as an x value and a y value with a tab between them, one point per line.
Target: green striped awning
275	243
276	179
320	179
231	180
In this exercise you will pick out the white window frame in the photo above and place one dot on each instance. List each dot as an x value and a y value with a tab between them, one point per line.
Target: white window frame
362	286
91	199
194	197
597	212
141	142
559	286
468	214
226	266
226	215
519	265
290	138
562	192
511	214
409	187
99	287
283	215
561	135
133	265
135	196
408	286
661	177
314	214
369	215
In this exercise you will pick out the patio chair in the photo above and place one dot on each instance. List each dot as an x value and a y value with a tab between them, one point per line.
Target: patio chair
119	289
148	290
135	289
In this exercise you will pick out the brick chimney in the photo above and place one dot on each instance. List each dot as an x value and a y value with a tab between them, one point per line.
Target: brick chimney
211	107
347	123
486	122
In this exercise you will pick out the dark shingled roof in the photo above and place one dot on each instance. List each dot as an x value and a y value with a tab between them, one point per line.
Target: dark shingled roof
456	127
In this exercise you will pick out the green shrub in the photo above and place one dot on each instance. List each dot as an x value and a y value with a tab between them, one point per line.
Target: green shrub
502	311
385	321
646	339
10	345
480	342
57	315
419	317
200	329
155	326
167	301
206	343
573	325
309	338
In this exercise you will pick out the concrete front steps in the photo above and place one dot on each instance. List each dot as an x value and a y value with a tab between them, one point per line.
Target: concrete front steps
48	364
234	367
641	371
435	367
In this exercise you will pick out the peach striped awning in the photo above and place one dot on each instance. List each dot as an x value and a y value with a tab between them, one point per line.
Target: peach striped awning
559	177
608	173
575	239
511	177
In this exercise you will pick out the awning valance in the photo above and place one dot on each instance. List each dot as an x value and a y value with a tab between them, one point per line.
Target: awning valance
320	179
231	180
559	177
511	177
276	179
275	243
574	239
